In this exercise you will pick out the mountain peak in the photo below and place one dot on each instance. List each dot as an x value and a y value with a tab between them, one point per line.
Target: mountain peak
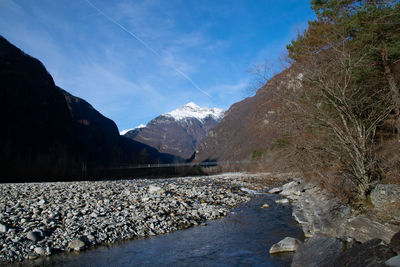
178	132
128	130
191	105
191	110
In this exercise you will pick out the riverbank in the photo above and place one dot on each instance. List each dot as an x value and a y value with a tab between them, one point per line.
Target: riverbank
41	219
340	235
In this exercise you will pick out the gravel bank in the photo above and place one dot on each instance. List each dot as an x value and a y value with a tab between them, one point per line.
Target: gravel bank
40	219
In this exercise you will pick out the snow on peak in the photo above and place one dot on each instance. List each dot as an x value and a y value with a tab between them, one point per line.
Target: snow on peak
191	110
128	130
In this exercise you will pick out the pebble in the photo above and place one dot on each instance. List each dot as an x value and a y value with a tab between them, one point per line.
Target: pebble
282	201
275	190
3	228
77	245
40	251
63	216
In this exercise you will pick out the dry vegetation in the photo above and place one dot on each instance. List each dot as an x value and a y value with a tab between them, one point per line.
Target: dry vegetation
339	109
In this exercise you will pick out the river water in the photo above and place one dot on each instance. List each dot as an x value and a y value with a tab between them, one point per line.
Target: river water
243	238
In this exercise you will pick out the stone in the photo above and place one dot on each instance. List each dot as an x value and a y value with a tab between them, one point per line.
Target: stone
34	236
393	262
153	189
265	206
40	251
292	188
77	245
385	197
395	242
42	201
317	251
374	252
98	212
288	244
3	228
32	256
275	190
363	228
282	201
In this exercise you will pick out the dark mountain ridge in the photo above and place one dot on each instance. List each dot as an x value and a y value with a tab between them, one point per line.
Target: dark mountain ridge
49	134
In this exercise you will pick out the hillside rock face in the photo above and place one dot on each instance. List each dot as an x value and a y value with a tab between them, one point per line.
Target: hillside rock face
249	125
47	133
179	131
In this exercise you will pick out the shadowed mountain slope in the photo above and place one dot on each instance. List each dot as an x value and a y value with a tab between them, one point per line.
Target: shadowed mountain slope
47	133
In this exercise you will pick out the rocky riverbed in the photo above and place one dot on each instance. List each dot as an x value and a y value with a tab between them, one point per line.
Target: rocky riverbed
40	219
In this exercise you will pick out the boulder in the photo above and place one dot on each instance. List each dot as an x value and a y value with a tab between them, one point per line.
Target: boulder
363	228
77	245
395	242
317	251
385	197
265	206
288	244
374	252
291	189
393	262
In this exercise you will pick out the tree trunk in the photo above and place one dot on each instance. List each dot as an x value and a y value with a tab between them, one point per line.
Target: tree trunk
393	89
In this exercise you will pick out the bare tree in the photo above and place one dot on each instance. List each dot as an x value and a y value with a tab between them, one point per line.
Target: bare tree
342	113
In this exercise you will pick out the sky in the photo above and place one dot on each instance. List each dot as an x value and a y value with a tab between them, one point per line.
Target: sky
133	60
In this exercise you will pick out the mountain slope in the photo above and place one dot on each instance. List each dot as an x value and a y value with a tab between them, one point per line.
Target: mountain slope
249	126
179	131
49	134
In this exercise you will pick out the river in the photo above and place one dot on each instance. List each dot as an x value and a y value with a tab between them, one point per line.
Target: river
242	238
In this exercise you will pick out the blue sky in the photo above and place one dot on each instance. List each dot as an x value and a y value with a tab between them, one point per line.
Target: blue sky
176	51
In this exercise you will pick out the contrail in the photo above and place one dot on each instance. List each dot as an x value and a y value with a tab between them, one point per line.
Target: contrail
186	77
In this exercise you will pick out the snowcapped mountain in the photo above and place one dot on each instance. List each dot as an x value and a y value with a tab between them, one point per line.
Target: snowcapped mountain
123	132
193	111
179	131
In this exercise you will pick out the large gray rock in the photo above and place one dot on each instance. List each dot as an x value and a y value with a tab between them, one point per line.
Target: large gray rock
291	189
369	254
317	251
393	262
288	244
319	212
395	242
387	197
363	228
